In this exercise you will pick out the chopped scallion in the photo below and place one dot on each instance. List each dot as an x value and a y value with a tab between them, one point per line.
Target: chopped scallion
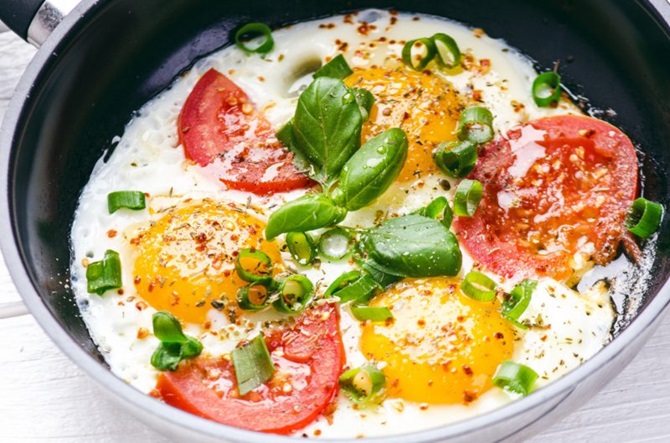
515	377
354	286
294	294
105	274
301	246
518	300
456	159
336	243
364	313
253	364
547	89
478	287
467	198
418	53
644	217
448	54
251	31
364	385
254	297
134	200
475	124
253	265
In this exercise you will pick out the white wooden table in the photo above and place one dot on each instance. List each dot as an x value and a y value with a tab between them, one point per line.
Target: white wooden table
45	398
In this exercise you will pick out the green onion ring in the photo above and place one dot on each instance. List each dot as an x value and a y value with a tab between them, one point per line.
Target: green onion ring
253	30
255	296
134	200
253	364
456	159
547	89
478	287
447	51
301	246
515	377
421	60
363	385
518	300
262	267
105	274
370	313
644	217
475	124
467	198
294	294
354	286
336	243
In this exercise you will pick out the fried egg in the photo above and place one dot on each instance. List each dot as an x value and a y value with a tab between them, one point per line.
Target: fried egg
178	254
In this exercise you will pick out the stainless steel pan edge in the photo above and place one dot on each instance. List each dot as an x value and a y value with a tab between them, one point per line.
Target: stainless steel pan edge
520	419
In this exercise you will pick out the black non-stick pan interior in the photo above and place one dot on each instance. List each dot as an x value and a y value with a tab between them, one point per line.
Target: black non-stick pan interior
123	52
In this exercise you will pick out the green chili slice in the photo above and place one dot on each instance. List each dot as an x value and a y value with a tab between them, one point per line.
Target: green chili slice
547	89
294	294
363	385
418	53
254	296
336	243
475	124
478	287
253	364
105	274
301	246
175	346
337	68
253	265
515	377
644	217
353	286
447	51
364	313
134	200
518	300
456	159
467	198
250	31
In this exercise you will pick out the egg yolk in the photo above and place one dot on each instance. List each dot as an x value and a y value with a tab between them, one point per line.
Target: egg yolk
441	347
186	259
426	107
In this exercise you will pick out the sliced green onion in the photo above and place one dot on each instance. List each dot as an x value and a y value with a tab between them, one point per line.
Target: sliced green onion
253	265
134	200
254	297
337	68
253	364
644	217
364	385
439	210
456	159
354	286
294	294
105	274
475	125
365	100
467	198
175	346
378	273
250	31
547	89
518	300
364	313
448	53
515	377
478	287
418	53
301	246
336	243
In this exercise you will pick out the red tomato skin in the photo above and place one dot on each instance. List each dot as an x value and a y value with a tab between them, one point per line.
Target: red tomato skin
493	235
315	341
221	130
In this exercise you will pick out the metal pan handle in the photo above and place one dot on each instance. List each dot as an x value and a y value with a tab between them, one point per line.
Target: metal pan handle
34	20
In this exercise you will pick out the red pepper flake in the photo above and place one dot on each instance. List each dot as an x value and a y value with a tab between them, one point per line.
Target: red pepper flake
142	333
469	396
137	280
111	233
140	305
467	370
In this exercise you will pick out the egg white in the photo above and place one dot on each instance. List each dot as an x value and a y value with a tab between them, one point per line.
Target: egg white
148	157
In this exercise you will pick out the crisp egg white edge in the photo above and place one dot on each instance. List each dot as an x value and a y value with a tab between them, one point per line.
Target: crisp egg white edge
148	158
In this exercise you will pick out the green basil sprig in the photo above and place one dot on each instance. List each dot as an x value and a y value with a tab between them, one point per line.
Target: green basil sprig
372	169
326	128
175	346
309	212
413	246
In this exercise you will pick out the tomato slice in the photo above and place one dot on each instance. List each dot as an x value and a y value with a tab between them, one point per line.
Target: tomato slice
220	129
550	187
308	357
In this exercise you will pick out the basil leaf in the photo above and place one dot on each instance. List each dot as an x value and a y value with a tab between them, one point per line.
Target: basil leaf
372	169
166	357
327	126
307	213
379	273
167	328
335	68
414	246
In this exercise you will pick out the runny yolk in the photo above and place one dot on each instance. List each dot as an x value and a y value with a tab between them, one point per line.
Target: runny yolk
422	104
187	258
442	347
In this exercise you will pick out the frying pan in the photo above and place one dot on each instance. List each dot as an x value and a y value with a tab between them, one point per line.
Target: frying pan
108	57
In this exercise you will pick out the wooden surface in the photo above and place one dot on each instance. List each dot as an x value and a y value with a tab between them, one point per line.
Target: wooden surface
46	398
